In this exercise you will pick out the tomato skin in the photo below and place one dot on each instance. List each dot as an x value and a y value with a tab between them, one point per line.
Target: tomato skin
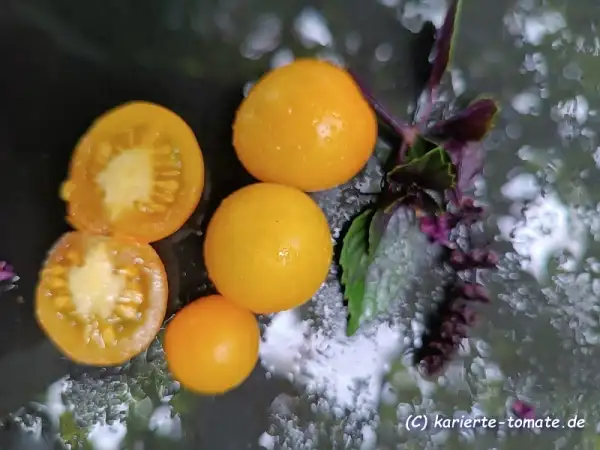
66	333
268	247
305	124
211	345
85	208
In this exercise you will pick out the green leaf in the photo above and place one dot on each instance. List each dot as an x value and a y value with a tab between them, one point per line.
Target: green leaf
182	401
71	433
419	148
371	244
432	171
377	227
141	410
138	415
354	261
401	255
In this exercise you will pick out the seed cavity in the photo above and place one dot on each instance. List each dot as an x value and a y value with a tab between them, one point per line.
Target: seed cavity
170	174
54	271
163	197
155	208
129	271
163	150
91	332
55	284
148	137
127	312
138	170
109	336
94	286
126	180
63	303
170	186
99	296
103	153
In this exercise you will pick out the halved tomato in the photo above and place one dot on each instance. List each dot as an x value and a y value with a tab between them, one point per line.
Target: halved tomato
101	299
137	172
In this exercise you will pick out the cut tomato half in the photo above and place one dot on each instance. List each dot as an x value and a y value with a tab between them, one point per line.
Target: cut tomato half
101	299
137	172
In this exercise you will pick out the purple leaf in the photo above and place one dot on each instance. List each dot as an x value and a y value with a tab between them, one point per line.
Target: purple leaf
437	228
468	159
522	410
468	213
4	276
471	291
452	321
6	271
470	124
475	259
468	314
443	47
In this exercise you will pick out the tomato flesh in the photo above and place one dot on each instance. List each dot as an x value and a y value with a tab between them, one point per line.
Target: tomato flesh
137	172
100	299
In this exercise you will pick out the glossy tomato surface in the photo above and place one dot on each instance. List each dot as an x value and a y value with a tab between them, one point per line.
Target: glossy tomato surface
211	345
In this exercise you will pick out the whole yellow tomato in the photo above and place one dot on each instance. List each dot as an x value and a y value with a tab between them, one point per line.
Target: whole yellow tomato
305	125
268	247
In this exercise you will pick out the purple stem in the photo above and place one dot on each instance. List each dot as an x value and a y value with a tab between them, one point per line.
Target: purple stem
402	152
403	129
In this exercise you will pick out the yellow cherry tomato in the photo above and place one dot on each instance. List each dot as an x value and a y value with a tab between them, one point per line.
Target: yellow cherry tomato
211	345
305	125
100	299
268	247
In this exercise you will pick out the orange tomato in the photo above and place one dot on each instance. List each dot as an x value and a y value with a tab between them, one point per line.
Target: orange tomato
268	247
306	125
137	172
211	345
100	299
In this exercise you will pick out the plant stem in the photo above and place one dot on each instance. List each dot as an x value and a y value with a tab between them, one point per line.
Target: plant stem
403	129
402	152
